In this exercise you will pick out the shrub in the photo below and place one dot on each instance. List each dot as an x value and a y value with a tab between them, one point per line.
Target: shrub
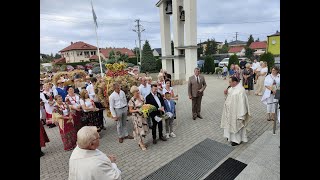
208	64
233	60
269	58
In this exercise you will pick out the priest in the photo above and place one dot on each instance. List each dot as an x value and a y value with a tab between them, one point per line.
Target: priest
236	113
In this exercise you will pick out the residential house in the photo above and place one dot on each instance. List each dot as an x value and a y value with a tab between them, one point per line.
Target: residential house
258	47
77	52
273	42
204	46
156	52
238	50
237	43
105	52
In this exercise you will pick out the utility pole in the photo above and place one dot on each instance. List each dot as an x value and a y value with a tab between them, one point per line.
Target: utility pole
139	30
236	36
135	42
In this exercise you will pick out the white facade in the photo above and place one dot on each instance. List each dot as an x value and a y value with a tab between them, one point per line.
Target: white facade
259	51
78	55
184	37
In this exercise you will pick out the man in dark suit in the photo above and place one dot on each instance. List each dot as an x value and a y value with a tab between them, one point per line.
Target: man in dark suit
196	85
156	99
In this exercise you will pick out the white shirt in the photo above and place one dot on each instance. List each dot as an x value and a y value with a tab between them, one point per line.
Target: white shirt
145	91
197	78
117	101
264	70
157	99
92	164
91	93
90	71
225	69
165	90
87	103
75	100
168	103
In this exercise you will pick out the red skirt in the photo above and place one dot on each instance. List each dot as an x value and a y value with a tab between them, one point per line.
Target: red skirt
43	136
68	136
49	118
77	121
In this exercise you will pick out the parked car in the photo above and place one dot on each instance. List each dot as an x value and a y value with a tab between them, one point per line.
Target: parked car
200	63
216	63
225	61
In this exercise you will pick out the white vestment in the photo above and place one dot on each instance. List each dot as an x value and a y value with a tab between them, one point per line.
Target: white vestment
92	165
236	115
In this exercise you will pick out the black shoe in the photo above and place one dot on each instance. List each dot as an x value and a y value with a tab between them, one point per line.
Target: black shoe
154	141
163	138
199	116
234	144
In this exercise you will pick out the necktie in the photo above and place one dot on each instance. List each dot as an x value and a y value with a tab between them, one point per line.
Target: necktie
198	80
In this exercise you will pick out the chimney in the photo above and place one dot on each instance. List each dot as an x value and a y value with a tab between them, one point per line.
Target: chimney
71	42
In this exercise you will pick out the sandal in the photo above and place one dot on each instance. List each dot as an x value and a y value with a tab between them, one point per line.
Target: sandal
143	148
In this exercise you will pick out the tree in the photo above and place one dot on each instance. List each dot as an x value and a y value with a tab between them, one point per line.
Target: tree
258	40
209	64
249	52
200	51
57	56
211	47
225	48
226	43
112	55
269	58
148	61
250	40
124	57
172	48
233	60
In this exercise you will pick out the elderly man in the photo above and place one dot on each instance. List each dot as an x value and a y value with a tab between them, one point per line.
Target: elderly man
119	109
144	88
87	162
236	113
196	85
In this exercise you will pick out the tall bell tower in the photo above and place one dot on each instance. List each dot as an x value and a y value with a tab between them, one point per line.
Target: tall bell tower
184	26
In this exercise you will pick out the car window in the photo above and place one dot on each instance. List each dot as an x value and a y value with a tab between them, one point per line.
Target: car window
225	60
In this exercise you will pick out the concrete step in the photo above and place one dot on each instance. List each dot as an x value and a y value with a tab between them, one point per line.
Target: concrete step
262	157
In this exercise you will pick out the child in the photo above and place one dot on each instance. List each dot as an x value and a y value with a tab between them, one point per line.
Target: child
224	71
169	107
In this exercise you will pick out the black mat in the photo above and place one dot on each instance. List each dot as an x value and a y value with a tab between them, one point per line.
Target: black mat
194	163
228	170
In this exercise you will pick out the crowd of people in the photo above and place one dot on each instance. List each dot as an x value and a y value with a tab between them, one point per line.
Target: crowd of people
78	113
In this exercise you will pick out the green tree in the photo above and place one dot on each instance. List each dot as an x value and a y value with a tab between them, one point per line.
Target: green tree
233	60
148	61
249	53
269	58
124	57
159	65
250	40
226	43
57	56
211	47
112	55
225	48
209	64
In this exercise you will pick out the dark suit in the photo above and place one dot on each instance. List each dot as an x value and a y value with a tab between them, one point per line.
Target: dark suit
150	100
193	87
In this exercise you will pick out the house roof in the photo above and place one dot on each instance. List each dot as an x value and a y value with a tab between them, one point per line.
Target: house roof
258	45
79	46
237	42
158	50
126	51
275	34
235	49
60	60
94	57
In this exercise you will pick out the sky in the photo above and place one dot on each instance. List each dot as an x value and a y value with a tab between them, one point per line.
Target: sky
66	21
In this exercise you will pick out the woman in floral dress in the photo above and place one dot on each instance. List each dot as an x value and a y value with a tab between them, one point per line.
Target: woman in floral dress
140	125
73	100
61	115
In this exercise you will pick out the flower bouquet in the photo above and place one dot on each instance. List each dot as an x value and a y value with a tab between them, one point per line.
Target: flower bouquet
146	109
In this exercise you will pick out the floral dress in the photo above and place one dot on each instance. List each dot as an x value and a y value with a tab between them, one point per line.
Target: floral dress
140	125
67	130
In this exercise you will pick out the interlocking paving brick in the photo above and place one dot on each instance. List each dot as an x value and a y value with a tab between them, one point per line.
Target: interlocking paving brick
188	131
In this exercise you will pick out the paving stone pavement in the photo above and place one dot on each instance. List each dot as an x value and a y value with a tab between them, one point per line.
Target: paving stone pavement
135	163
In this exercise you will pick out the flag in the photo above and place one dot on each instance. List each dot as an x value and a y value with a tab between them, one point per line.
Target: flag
94	15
